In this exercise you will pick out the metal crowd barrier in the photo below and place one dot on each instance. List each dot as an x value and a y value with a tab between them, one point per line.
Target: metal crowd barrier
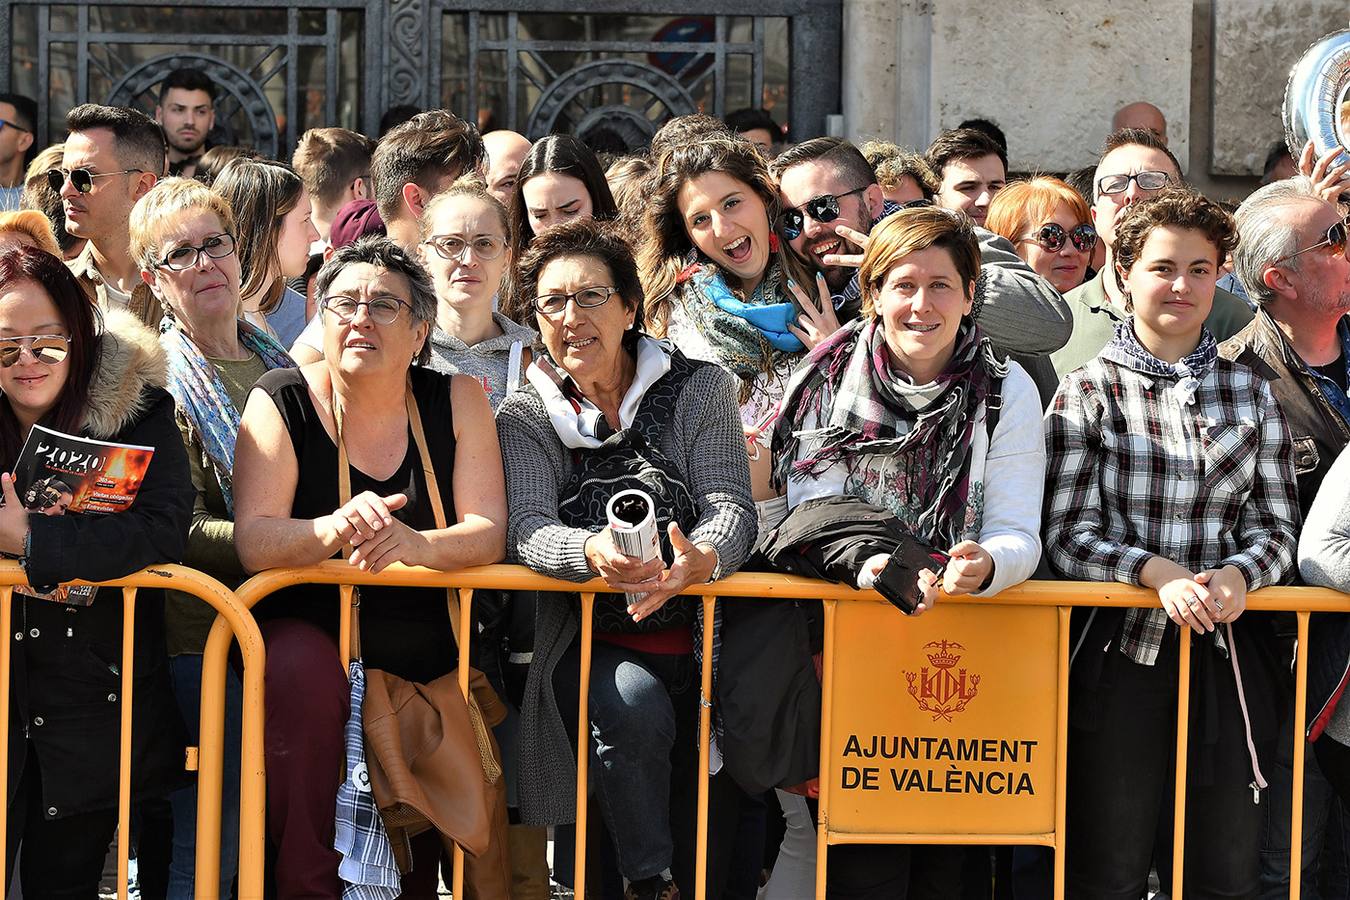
1061	595
233	620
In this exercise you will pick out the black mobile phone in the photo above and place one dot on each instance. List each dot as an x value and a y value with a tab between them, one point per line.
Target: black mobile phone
898	581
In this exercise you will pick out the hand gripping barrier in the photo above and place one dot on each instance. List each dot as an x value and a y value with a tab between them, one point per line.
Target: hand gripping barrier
937	691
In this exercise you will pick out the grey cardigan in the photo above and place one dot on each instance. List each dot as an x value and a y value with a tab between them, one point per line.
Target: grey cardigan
705	442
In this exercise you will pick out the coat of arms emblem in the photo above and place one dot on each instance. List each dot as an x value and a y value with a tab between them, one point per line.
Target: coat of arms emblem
940	688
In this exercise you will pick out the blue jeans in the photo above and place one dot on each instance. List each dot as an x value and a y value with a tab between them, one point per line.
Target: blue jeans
637	702
185	671
1324	848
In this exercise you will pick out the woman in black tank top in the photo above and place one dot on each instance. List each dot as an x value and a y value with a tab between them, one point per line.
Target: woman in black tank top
377	307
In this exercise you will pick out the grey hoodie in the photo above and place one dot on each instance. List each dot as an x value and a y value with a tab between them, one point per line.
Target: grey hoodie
490	361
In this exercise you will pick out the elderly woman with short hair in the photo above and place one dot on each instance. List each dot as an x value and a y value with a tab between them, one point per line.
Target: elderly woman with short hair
607	408
182	237
377	306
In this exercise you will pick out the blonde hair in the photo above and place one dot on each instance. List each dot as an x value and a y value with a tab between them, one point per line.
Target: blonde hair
261	193
469	186
909	231
33	224
1023	205
161	206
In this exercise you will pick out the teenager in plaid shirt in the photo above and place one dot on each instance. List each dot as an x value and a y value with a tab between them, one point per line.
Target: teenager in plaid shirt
1169	468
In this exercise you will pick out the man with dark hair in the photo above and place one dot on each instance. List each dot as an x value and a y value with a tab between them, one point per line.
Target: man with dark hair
335	166
757	127
1279	164
112	157
832	202
18	125
416	161
971	168
991	130
1135	165
396	115
38	195
187	113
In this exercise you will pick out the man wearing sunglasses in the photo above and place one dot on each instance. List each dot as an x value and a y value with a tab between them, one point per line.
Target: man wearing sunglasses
18	118
831	202
112	157
1292	263
1135	165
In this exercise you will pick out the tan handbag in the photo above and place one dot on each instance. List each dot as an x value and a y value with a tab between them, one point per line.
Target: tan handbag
432	758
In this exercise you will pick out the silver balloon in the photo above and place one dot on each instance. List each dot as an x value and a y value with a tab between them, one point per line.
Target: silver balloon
1317	99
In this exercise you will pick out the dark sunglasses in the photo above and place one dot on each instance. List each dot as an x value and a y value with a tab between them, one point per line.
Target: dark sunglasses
48	349
81	179
824	208
1051	237
6	123
1335	239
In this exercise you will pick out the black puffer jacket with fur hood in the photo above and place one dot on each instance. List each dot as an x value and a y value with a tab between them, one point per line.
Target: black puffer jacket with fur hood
66	694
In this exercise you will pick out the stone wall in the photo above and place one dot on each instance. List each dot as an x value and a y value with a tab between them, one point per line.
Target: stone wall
1051	74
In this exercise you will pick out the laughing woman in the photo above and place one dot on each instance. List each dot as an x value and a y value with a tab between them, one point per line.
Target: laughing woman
1170	468
719	285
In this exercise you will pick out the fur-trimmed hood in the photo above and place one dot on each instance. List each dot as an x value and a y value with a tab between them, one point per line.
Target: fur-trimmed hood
130	360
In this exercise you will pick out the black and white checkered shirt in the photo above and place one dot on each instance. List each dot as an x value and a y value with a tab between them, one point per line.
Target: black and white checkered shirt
1191	462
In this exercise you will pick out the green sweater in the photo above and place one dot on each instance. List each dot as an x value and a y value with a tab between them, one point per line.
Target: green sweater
1095	318
188	620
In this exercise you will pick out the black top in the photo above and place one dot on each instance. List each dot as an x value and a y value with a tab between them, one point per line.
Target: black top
404	631
1335	370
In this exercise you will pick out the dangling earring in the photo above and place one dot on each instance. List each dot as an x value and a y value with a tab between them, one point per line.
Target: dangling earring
773	242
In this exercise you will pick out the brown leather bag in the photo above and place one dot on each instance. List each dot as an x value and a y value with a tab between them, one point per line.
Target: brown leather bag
432	758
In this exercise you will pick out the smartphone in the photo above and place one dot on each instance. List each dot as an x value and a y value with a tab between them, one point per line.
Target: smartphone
898	581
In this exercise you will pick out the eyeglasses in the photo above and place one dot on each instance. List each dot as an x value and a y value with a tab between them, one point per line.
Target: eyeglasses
6	123
48	349
81	179
448	246
382	310
1119	184
1335	239
586	298
824	208
181	258
1051	237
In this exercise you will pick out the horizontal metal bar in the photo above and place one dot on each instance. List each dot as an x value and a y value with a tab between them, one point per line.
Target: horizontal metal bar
765	585
1025	840
634	7
616	46
250	4
159	37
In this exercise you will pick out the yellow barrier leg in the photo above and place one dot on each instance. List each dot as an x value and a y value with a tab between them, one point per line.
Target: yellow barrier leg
1062	751
826	772
465	628
6	623
1300	746
583	744
704	741
1183	721
124	761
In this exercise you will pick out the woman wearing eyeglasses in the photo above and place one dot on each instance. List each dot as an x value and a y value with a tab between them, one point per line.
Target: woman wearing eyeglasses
1048	222
723	289
465	236
182	236
609	408
560	179
274	232
1171	468
366	396
67	368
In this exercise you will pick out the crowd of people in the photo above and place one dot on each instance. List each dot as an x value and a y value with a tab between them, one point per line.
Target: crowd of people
446	349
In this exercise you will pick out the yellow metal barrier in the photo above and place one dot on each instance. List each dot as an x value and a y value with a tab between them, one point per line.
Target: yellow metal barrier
1060	595
234	619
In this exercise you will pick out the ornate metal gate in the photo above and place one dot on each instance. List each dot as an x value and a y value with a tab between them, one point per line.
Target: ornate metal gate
612	72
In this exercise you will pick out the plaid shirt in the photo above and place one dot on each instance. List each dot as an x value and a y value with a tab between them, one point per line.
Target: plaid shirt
1190	462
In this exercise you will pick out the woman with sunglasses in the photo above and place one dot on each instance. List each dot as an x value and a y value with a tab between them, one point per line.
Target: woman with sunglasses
64	368
1048	222
465	236
721	286
609	408
899	409
182	236
1171	468
367	401
560	179
273	235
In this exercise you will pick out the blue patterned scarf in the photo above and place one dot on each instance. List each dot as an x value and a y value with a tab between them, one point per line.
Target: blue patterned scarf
202	401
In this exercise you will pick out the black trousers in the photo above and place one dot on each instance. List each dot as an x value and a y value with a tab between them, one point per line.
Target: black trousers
895	872
62	858
1121	779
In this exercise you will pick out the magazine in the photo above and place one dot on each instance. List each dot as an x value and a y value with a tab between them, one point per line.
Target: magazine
59	474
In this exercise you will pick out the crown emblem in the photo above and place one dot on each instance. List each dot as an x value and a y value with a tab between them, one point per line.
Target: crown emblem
940	688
